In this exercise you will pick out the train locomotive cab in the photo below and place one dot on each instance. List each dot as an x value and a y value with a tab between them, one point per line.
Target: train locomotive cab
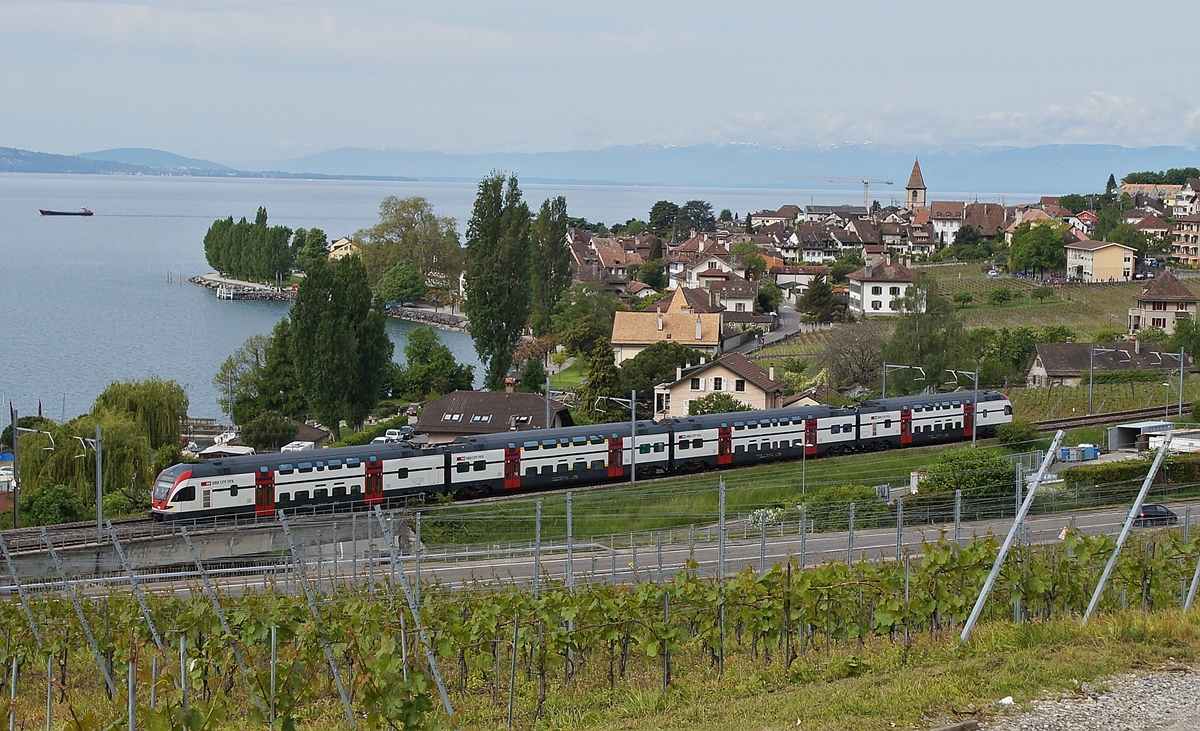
172	488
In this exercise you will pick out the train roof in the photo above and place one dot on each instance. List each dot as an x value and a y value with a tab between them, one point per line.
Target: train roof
272	460
621	429
898	402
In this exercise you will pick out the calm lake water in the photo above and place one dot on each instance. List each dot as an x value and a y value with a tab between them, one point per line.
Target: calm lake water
85	301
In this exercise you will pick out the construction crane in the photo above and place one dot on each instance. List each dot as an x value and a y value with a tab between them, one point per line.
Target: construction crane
866	183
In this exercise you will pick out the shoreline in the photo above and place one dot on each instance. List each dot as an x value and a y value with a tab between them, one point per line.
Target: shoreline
236	289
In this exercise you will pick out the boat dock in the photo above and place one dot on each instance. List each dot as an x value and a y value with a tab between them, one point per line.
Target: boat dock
235	289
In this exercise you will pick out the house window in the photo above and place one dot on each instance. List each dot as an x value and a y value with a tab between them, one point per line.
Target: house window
1181	306
1158	322
894	304
1158	306
718	384
876	305
695	384
739	307
877	290
481	418
452	417
739	385
894	291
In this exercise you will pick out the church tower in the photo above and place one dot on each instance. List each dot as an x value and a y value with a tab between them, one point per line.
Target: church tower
914	192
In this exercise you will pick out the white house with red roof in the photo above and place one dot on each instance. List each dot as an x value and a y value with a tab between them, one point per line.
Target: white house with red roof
876	289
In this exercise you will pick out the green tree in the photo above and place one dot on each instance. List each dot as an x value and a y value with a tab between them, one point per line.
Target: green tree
662	219
430	369
584	316
404	282
533	376
963	298
279	386
977	472
716	403
654	273
1073	202
1038	246
654	365
818	299
51	504
1018	435
157	406
238	380
1111	186
549	262
269	430
1129	235
696	215
769	296
246	250
1041	293
409	230
604	380
339	344
1000	296
498	301
845	264
927	334
725	215
315	248
1056	334
1186	336
1152	334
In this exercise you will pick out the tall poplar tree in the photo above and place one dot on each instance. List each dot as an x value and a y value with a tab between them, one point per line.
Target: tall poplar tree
497	280
339	344
549	262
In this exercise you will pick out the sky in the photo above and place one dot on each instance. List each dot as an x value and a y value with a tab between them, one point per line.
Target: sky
257	80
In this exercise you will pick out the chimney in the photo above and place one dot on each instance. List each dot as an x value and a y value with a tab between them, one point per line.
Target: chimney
660	320
867	270
698	335
702	360
888	258
771	373
679	372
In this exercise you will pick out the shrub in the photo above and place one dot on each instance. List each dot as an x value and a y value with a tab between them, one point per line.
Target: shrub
1019	435
829	507
269	430
1000	296
977	472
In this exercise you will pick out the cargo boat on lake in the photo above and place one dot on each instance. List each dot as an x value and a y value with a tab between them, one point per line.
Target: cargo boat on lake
80	212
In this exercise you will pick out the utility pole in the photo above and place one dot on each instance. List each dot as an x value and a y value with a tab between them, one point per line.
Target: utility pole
99	489
16	478
632	437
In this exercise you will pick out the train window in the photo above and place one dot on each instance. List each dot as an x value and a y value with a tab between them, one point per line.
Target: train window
207	499
834	429
643	449
233	491
353	462
917	409
597	464
697	443
529	446
285	469
402	473
751	447
738	426
479	465
579	441
955	404
335	464
564	442
887	423
284	498
547	469
463	466
847	428
339	491
320	492
958	425
579	465
301	495
739	449
945	404
684	444
751	424
320	466
372	459
596	439
549	444
304	466
355	489
530	471
561	468
660	447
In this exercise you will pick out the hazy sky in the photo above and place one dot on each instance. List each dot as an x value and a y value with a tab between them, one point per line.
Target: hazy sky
271	79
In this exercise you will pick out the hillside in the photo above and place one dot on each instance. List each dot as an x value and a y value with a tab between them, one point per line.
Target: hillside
146	157
13	160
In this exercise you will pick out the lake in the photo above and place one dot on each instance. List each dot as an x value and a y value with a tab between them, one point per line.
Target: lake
86	301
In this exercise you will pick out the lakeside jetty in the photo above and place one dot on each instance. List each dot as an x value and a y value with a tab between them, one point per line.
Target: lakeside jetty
236	289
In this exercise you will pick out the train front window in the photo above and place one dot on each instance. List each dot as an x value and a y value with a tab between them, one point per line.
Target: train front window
185	495
162	488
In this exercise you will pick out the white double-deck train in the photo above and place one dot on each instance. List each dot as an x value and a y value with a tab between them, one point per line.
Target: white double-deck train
580	455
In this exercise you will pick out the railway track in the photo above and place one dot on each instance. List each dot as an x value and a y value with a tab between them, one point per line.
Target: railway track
1074	422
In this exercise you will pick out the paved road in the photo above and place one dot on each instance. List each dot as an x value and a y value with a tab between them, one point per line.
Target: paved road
789	324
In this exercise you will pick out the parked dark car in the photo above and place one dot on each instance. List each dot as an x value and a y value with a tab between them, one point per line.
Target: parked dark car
1155	514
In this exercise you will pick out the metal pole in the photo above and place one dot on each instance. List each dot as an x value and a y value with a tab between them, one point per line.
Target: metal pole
803	536
16	478
1012	534
1187	605
548	422
130	679
899	527
12	696
1181	381
762	544
99	488
50	691
884	394
957	514
12	571
274	659
975	411
1133	513
1091	374
417	561
537	549
721	531
850	539
512	670
183	670
1018	480
633	436
570	549
354	549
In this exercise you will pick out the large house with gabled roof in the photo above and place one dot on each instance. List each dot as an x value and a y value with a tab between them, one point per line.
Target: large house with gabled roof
1161	303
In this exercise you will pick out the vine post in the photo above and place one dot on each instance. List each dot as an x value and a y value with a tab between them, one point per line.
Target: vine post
850	539
899	527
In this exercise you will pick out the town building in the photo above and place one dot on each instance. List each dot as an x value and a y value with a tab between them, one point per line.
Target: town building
342	248
1185	246
686	317
946	218
1161	303
1100	261
1067	364
914	192
732	373
468	413
877	289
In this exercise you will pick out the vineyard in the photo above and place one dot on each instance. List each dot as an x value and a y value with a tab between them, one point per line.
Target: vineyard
550	656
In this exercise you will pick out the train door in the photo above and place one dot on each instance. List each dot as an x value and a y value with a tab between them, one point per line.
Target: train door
810	437
968	419
616	457
373	483
905	427
724	445
264	492
512	467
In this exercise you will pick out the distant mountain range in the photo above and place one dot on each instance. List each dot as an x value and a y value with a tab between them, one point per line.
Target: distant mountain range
962	170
